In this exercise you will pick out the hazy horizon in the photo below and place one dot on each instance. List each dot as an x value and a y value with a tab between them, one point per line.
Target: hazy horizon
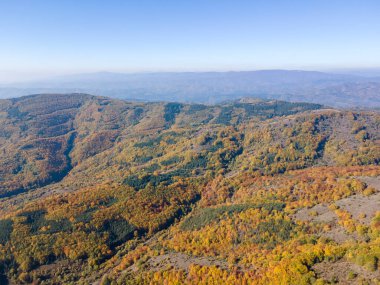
6	79
45	39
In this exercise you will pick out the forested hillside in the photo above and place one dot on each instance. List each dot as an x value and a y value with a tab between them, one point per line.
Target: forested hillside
101	191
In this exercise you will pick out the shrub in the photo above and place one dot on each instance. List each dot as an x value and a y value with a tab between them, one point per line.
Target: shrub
369	191
119	231
6	227
36	220
205	216
172	160
351	275
171	110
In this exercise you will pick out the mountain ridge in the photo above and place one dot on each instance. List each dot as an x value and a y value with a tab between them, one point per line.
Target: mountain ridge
336	90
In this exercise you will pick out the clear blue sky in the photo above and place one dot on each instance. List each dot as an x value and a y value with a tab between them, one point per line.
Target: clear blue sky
41	37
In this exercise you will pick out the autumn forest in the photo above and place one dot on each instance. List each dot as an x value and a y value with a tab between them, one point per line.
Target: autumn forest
102	191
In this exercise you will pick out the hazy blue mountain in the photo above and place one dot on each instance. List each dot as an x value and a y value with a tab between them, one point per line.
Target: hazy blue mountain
338	90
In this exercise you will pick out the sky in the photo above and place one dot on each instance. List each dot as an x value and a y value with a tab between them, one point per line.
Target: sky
40	38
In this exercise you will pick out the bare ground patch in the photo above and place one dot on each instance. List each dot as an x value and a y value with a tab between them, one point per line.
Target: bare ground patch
362	208
371	181
344	272
182	261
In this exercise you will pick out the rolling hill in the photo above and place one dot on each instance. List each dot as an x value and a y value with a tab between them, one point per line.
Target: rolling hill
95	190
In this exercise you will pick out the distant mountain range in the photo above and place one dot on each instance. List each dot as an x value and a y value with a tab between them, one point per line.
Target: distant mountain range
337	90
